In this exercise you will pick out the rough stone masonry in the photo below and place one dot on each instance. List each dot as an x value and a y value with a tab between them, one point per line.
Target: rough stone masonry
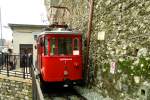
120	62
15	90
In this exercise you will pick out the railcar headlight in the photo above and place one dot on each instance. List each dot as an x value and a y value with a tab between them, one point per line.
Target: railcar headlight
66	72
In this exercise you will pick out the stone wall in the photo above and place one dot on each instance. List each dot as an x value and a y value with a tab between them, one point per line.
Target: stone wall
15	90
120	63
79	10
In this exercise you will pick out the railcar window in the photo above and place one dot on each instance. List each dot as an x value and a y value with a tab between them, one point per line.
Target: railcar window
41	45
53	46
46	47
76	44
41	42
76	47
64	46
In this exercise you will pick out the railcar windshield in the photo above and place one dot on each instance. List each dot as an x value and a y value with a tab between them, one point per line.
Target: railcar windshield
64	46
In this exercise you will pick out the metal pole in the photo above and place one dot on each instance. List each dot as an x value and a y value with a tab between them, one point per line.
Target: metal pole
2	60
1	27
88	35
24	71
8	60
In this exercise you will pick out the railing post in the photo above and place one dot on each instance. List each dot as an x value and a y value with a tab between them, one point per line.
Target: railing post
2	60
30	71
32	85
24	71
7	60
0	69
24	67
1	63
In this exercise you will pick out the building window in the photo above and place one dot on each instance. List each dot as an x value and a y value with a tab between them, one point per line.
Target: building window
35	37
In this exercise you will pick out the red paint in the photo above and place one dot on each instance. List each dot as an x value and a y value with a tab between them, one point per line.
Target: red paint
52	67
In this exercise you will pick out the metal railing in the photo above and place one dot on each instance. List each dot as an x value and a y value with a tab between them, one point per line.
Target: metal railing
36	90
14	65
27	70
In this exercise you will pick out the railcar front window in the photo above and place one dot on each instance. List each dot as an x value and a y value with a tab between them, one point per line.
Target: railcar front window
76	47
64	46
76	44
53	46
46	47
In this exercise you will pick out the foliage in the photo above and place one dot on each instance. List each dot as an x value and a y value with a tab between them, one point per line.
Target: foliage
142	69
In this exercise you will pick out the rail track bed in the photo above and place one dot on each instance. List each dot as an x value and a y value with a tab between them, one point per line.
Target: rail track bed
61	93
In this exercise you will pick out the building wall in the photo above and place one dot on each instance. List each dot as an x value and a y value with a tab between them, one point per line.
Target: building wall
21	38
2	42
25	35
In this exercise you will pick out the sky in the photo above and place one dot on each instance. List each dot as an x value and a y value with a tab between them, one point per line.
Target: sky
21	12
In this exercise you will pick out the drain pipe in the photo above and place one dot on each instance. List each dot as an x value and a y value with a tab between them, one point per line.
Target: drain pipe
88	35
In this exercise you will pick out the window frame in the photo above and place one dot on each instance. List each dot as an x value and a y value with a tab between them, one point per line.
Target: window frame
78	44
67	54
46	47
72	45
55	50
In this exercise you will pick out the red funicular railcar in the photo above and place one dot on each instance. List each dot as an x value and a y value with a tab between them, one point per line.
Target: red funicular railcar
59	55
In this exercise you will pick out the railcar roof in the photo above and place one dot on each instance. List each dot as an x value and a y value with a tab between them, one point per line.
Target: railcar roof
61	31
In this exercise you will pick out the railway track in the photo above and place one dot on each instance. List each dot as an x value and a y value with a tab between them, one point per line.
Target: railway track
61	93
52	92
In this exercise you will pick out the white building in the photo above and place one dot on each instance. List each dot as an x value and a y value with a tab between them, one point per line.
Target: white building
23	38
